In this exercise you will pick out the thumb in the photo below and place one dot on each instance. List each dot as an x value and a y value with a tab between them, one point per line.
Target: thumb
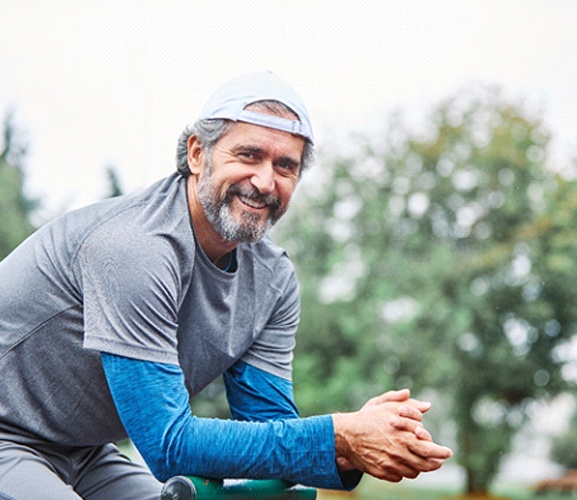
389	397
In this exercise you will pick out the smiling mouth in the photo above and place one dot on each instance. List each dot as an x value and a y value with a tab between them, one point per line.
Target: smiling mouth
249	202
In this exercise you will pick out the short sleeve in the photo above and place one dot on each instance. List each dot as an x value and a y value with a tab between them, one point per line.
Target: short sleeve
130	285
272	350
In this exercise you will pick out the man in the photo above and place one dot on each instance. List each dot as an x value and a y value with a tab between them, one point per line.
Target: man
114	315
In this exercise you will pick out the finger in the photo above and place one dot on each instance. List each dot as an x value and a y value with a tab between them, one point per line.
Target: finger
423	433
393	471
391	477
403	424
410	412
431	465
400	395
423	406
422	464
430	451
390	396
417	428
404	464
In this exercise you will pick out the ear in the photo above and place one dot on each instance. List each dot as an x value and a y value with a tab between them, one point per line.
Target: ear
195	155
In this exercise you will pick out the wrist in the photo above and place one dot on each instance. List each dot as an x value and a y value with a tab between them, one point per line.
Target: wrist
349	474
342	441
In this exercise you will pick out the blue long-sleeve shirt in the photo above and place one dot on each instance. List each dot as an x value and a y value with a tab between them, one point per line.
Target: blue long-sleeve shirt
267	439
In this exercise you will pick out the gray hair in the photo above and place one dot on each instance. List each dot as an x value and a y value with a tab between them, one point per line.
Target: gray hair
210	131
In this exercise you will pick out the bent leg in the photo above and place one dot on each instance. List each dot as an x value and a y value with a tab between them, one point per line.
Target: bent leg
105	473
26	473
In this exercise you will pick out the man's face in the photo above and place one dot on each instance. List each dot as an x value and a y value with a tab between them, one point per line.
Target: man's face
248	180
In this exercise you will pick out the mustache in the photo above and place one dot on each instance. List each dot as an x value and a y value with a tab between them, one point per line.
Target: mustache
253	194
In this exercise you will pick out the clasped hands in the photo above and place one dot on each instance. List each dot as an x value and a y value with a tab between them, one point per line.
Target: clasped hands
386	438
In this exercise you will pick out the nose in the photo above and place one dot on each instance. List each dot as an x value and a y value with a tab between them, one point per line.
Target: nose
263	178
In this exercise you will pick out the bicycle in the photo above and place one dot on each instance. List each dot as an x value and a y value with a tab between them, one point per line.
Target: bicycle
196	488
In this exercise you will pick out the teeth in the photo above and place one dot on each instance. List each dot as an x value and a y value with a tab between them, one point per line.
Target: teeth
252	203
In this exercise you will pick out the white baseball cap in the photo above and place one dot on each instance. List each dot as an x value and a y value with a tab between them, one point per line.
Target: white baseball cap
230	100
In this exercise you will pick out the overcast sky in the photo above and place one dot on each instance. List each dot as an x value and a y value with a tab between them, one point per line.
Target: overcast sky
114	82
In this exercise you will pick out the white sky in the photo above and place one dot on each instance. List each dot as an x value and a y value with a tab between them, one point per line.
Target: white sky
114	82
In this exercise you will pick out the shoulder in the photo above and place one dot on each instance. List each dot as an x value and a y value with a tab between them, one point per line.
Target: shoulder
145	229
165	197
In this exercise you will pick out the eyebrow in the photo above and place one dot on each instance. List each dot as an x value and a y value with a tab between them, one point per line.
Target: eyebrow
248	149
259	150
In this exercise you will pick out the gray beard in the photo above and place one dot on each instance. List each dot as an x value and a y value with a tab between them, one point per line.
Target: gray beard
249	229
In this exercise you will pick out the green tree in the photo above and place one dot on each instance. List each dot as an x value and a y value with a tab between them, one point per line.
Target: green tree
114	185
15	206
439	259
564	449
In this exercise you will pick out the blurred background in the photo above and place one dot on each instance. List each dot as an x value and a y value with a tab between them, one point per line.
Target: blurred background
434	238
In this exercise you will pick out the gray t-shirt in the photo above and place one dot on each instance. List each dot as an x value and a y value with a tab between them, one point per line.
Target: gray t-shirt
126	276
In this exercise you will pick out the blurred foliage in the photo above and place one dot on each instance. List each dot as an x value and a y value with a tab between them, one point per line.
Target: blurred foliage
15	206
564	449
114	185
440	259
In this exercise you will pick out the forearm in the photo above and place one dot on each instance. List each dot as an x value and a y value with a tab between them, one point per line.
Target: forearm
297	450
153	406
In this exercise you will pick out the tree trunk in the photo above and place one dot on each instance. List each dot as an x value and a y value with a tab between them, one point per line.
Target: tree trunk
473	488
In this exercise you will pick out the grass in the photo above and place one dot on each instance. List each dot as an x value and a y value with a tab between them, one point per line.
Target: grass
396	492
370	489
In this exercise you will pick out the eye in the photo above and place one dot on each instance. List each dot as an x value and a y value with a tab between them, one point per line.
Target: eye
287	166
249	154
